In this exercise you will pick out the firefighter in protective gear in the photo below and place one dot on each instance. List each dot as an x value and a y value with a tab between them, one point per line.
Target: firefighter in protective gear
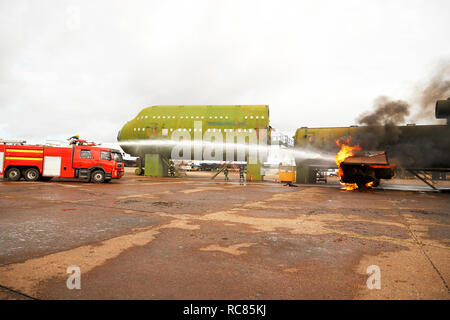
74	139
241	175
171	169
225	172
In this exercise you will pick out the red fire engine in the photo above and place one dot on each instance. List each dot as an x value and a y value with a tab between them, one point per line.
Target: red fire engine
41	162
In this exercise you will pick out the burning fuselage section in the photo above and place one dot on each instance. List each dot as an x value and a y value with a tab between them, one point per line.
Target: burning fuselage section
365	170
358	169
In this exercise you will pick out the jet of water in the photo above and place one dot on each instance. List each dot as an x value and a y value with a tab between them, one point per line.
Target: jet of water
295	153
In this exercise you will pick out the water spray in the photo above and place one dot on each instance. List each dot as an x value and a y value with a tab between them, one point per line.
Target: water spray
223	147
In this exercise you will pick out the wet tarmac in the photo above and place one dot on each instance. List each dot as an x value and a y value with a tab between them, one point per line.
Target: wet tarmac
192	238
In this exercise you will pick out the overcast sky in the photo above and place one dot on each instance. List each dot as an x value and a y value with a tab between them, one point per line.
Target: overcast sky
87	67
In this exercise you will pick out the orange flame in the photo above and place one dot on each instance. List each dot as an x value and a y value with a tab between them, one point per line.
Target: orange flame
349	186
345	152
369	184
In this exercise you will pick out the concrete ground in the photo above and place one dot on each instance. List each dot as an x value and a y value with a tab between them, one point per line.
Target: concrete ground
195	238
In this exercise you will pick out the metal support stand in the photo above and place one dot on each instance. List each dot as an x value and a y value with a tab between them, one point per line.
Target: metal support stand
424	177
155	166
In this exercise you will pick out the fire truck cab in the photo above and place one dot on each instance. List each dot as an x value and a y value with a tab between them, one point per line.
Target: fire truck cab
40	162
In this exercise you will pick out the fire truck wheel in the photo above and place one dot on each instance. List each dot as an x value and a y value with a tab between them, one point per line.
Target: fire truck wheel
13	174
31	174
98	176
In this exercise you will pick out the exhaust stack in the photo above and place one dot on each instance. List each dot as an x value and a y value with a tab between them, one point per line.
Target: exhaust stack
443	110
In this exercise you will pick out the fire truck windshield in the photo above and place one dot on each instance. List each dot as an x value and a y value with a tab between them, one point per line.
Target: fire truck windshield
117	156
105	155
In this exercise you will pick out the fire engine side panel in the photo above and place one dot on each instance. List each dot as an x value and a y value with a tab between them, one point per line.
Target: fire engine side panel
23	156
65	166
2	157
52	166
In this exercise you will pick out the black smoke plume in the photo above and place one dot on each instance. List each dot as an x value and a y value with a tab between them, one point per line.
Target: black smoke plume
382	123
409	146
438	88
